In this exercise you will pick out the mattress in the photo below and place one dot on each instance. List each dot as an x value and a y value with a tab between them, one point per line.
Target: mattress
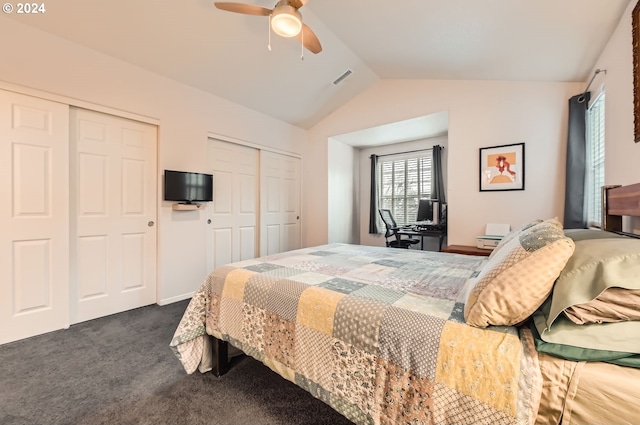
576	393
376	333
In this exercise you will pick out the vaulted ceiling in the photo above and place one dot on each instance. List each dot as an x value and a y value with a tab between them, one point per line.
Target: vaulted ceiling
226	53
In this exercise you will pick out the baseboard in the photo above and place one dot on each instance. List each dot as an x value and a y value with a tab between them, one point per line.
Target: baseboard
175	299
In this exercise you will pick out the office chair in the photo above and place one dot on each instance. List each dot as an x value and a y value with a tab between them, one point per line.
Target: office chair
392	231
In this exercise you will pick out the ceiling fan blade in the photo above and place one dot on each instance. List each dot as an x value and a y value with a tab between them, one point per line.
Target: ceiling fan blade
297	3
309	41
247	9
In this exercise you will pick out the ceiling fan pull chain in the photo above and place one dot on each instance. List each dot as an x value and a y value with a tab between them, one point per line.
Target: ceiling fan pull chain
269	45
284	20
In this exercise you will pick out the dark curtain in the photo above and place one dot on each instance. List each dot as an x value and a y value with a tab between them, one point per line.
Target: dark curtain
437	183
373	208
574	202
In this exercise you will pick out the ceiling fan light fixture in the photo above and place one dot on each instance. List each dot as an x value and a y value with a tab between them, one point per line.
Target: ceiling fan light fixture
286	21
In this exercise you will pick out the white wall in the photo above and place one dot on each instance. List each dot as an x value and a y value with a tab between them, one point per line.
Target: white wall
186	116
481	114
343	189
365	182
622	154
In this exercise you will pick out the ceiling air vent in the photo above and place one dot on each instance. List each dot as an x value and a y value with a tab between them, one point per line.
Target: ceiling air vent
342	77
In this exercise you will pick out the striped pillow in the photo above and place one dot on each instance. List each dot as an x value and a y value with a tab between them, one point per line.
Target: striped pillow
512	234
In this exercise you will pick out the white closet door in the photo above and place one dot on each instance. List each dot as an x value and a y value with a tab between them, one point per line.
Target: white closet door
113	214
34	213
279	203
232	234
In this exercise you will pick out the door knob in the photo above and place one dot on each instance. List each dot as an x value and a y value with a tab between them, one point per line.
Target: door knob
150	224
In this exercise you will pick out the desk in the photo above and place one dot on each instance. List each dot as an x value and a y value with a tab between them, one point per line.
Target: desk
468	250
413	231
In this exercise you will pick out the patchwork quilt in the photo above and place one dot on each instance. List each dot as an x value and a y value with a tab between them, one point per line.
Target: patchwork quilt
376	333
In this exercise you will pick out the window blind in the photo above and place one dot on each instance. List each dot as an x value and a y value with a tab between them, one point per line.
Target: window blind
403	181
595	161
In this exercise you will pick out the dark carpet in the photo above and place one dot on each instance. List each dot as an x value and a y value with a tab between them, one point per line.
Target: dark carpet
120	370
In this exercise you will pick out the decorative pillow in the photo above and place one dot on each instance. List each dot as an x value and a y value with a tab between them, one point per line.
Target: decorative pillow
512	234
517	280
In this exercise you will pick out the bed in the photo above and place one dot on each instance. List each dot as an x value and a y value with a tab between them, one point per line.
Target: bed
395	336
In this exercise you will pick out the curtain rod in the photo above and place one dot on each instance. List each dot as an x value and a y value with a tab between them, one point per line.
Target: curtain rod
401	153
596	72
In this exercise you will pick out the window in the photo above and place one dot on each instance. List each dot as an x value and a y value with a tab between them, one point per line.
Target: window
595	161
403	180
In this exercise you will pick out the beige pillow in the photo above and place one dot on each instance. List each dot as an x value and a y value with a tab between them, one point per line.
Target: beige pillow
517	280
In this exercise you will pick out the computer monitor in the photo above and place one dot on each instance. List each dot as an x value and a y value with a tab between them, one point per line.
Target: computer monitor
425	210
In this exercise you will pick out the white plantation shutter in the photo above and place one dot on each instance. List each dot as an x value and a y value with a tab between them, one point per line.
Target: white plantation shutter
595	161
404	179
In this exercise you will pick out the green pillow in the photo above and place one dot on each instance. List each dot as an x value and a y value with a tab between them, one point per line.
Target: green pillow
585	234
578	354
596	264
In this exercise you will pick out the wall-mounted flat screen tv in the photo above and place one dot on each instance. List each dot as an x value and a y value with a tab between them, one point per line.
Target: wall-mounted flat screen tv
186	187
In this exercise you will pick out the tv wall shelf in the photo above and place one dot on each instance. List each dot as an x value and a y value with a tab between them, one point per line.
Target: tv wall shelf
187	207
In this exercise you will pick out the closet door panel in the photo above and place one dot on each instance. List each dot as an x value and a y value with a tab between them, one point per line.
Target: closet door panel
113	214
232	231
280	203
34	212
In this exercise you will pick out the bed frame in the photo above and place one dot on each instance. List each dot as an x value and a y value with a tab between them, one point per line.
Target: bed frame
220	356
617	201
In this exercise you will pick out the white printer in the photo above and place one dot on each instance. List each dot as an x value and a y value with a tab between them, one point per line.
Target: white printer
492	236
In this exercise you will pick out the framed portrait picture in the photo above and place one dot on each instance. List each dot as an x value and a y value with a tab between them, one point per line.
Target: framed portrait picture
635	28
502	167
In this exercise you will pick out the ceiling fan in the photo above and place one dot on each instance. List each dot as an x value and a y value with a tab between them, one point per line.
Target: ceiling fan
285	20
